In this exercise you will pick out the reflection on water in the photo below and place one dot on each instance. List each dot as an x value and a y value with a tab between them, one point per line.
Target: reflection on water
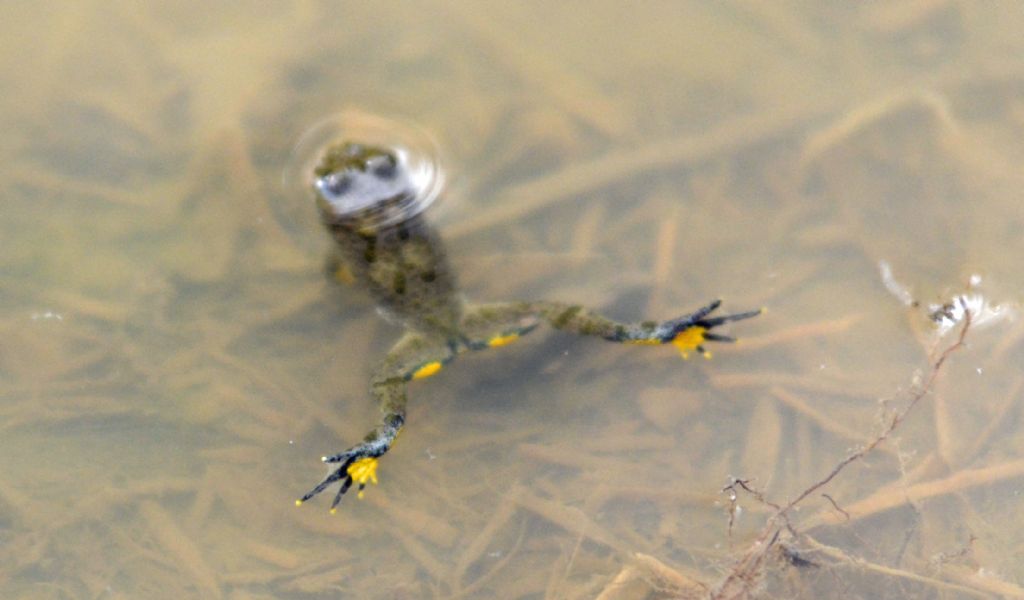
174	362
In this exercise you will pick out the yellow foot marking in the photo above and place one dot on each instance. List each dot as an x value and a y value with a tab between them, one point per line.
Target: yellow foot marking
362	471
689	340
502	340
426	371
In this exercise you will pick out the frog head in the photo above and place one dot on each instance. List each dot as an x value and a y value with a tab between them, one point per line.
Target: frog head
360	183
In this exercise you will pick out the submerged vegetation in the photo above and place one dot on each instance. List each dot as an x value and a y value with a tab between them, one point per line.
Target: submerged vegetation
173	355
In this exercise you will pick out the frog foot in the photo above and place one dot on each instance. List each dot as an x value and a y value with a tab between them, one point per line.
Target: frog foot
690	332
357	466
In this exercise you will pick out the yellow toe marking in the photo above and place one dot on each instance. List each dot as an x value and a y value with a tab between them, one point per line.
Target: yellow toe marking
427	370
298	503
362	471
502	340
644	342
687	340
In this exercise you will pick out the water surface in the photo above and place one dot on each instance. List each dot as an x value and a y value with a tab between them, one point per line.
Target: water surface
174	363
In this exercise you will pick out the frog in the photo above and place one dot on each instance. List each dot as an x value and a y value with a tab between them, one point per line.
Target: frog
370	201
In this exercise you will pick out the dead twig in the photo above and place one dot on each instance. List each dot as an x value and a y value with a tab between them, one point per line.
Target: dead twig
748	569
894	422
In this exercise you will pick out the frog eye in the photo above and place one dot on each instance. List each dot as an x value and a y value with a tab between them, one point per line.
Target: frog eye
335	184
383	167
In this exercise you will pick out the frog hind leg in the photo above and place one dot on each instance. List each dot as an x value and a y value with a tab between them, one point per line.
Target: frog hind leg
413	357
493	325
691	331
687	333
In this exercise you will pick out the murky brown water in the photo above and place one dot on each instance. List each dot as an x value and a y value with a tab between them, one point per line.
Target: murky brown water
173	362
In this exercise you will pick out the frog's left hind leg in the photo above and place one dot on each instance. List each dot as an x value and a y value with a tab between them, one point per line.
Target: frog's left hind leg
499	323
687	333
413	357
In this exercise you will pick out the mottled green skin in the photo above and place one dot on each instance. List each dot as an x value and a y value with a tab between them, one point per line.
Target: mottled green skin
405	269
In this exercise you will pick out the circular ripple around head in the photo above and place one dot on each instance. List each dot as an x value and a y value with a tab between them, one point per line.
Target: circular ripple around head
419	155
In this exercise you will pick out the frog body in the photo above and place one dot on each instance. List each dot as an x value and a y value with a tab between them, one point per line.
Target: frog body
405	270
368	201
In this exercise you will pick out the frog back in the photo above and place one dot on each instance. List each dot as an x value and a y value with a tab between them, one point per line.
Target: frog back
405	269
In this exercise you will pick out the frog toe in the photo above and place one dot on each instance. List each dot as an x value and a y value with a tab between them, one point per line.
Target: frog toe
339	474
363	471
353	470
689	333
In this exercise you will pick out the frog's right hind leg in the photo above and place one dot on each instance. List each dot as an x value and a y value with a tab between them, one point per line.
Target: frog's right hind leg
413	357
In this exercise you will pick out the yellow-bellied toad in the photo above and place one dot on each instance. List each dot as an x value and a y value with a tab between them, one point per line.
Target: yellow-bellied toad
368	201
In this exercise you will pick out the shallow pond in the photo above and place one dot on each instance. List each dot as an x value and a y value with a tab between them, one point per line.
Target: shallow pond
174	362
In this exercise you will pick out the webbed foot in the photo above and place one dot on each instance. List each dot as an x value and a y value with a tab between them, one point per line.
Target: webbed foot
689	333
357	465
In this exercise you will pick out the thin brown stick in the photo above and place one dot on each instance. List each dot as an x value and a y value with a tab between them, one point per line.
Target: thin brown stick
836	506
626	585
583	178
1001	413
843	386
496	568
563	85
568	518
747	571
421	523
586	234
962	480
803	331
1008	343
504	512
864	115
649	575
944	429
664	259
982	581
424	556
181	547
894	421
820	418
844	558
